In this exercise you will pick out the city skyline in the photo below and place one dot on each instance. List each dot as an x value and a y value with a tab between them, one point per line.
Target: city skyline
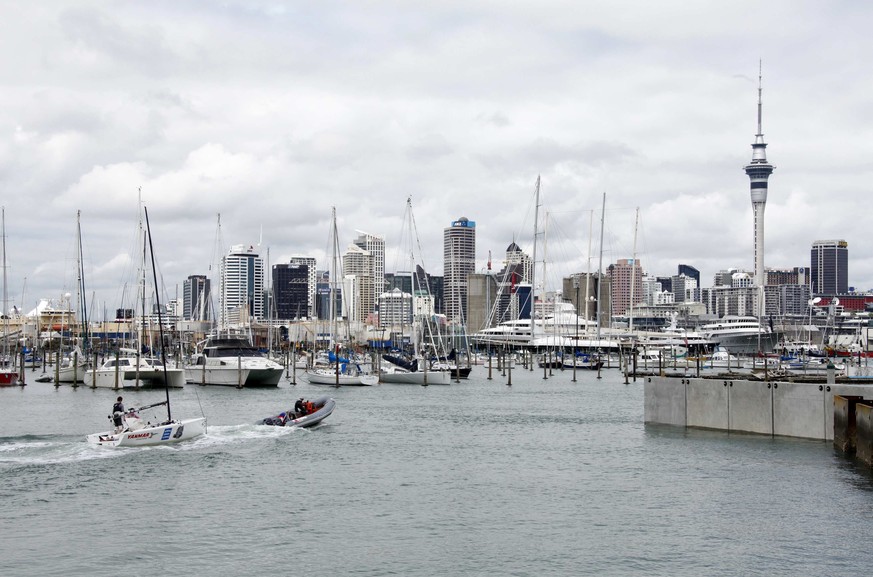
269	115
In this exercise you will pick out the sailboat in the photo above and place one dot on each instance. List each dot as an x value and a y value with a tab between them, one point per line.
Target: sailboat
138	433
75	363
340	370
128	368
398	369
8	375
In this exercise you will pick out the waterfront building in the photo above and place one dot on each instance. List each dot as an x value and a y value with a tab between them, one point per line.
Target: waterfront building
829	267
651	287
395	309
690	272
483	293
739	300
311	282
399	279
575	291
241	292
786	276
375	247
666	283
758	171
291	291
322	296
684	289
196	295
359	283
626	277
459	261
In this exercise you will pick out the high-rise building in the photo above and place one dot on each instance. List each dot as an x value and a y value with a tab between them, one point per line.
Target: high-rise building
459	258
291	290
395	308
626	277
759	171
309	262
359	286
241	296
375	245
829	264
195	298
690	272
323	289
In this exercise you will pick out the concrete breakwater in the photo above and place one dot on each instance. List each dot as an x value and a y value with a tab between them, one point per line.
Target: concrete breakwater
730	403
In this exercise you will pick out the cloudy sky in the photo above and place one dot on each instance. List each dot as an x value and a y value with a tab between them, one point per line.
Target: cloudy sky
270	113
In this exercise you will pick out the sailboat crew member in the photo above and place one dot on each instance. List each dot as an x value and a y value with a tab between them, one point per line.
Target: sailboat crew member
117	413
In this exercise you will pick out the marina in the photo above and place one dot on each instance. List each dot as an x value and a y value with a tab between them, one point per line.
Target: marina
541	477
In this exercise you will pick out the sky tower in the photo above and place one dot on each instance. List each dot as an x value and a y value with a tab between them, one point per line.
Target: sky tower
759	171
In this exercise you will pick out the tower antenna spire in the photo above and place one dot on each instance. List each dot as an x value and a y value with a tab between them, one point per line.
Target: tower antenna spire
760	134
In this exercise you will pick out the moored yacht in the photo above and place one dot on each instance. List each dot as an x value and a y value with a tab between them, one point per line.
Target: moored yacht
740	335
130	370
232	360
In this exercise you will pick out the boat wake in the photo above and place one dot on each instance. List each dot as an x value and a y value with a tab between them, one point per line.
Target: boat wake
46	450
224	434
51	449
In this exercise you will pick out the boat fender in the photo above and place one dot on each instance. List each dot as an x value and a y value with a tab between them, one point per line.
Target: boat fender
179	432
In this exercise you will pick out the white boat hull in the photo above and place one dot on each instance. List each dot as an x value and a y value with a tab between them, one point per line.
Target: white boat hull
231	376
129	379
416	378
326	377
169	433
72	374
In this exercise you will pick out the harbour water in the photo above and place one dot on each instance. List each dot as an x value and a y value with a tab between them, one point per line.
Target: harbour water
546	477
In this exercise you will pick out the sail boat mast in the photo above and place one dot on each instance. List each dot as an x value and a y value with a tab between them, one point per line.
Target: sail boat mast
533	270
633	273
82	294
158	305
600	269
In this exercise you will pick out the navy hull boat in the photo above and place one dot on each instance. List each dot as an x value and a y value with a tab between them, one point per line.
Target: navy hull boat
304	414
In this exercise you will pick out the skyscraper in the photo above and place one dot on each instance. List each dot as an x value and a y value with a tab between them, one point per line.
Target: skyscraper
759	171
241	296
459	258
359	296
375	245
311	282
626	277
829	264
291	290
195	298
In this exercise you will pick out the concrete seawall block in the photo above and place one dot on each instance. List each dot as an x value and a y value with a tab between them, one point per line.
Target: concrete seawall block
751	407
799	411
707	401
665	401
864	431
845	434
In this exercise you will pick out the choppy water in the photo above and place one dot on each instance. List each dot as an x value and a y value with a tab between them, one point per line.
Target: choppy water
547	477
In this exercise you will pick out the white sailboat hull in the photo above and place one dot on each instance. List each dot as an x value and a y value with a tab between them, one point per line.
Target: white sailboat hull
129	378
416	378
166	434
72	374
327	377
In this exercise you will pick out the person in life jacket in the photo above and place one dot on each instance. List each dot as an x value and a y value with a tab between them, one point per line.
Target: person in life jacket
299	408
117	414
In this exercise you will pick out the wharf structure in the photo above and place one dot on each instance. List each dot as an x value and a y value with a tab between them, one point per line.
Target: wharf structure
742	404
